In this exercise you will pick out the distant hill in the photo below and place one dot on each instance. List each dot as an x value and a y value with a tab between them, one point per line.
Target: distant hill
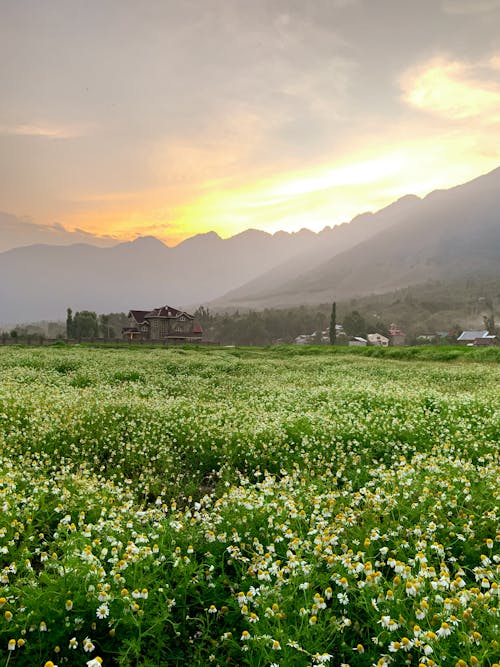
41	281
448	236
16	232
330	242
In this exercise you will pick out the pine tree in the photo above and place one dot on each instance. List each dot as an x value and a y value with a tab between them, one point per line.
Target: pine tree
69	323
333	324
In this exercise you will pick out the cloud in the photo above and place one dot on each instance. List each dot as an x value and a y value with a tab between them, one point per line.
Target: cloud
470	6
455	90
17	231
495	62
42	130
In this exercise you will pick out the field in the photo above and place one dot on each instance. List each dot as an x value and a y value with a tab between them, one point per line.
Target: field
248	507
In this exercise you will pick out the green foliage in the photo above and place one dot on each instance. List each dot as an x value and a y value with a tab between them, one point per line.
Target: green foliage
291	505
428	308
84	325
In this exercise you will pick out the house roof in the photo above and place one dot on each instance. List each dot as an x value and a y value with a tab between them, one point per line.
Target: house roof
472	335
141	316
167	311
138	315
376	336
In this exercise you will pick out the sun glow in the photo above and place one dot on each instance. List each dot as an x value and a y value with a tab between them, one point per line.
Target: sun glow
293	200
210	183
355	174
455	90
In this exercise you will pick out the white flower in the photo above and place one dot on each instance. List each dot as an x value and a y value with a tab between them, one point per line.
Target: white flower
388	623
102	611
343	598
88	646
444	631
95	662
406	644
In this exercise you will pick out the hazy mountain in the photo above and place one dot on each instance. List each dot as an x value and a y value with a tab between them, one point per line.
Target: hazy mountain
329	243
449	235
41	281
16	232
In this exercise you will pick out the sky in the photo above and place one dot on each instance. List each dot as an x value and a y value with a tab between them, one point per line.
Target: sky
170	118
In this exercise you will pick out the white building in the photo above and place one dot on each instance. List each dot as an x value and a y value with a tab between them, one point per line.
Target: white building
357	341
468	337
377	340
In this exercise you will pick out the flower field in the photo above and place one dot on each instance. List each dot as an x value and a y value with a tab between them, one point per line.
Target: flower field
247	507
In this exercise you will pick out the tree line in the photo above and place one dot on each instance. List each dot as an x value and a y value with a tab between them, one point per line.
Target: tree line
274	325
87	324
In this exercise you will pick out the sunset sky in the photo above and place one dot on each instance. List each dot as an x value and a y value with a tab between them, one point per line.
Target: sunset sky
173	117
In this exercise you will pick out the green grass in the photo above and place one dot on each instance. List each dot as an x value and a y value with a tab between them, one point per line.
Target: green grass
280	506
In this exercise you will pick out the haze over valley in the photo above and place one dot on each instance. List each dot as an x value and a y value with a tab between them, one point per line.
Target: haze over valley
450	236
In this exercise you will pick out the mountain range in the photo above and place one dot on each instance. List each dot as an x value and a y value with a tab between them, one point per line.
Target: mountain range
446	236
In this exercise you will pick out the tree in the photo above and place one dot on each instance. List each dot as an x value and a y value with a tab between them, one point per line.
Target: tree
69	323
333	324
85	325
105	328
354	324
203	315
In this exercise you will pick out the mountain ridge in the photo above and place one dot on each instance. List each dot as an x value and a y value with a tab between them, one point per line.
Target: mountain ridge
445	234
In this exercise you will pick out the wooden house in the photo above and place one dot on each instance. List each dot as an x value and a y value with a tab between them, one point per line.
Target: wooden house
162	324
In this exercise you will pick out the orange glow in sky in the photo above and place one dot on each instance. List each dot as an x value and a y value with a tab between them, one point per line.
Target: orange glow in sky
172	119
453	137
322	196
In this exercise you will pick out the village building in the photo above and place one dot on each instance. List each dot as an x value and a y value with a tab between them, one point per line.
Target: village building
468	337
486	341
358	341
165	324
396	336
377	340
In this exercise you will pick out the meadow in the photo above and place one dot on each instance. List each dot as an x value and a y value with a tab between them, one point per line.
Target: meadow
249	507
